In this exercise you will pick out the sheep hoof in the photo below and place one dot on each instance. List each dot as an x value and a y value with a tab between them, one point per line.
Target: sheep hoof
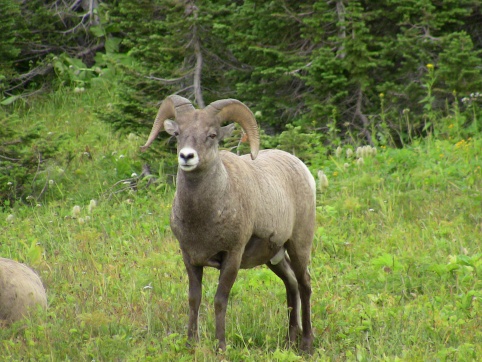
221	348
307	345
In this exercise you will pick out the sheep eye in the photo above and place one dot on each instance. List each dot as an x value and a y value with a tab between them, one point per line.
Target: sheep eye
213	135
175	134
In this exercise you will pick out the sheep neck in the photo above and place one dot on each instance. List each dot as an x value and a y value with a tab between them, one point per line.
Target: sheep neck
194	189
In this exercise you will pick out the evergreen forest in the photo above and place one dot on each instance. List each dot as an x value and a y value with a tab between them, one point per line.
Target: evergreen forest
371	71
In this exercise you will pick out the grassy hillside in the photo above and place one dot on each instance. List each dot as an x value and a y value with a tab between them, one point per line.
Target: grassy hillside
395	263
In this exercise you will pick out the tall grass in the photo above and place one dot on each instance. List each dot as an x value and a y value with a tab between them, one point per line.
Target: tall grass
395	265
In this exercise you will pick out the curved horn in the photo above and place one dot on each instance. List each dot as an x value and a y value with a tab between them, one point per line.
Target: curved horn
172	107
234	110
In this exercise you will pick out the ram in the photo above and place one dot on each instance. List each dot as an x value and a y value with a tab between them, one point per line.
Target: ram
20	290
231	212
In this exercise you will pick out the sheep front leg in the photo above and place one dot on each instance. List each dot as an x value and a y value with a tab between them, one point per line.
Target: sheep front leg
195	275
227	276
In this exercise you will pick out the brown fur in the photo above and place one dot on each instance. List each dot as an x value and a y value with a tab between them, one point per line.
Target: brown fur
20	290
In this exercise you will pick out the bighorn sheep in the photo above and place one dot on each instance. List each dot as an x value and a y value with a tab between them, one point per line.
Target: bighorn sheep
20	289
231	212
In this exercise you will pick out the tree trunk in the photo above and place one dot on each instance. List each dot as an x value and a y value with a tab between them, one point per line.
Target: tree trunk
196	43
198	71
340	11
363	117
90	6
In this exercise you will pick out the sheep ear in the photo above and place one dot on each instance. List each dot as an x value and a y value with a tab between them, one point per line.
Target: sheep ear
171	127
226	131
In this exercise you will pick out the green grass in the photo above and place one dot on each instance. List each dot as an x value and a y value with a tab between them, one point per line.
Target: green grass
395	266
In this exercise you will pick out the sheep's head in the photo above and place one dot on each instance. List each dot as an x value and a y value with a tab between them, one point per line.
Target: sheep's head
199	131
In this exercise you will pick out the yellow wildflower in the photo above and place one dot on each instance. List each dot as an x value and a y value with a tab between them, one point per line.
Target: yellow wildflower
460	144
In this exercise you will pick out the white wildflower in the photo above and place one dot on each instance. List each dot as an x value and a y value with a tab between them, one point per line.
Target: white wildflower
349	153
338	152
92	205
10	218
132	137
322	181
76	211
359	152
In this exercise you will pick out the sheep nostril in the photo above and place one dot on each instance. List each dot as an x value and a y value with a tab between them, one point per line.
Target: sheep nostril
187	156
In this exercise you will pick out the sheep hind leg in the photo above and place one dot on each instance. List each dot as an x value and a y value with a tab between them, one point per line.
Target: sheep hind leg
284	271
299	264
